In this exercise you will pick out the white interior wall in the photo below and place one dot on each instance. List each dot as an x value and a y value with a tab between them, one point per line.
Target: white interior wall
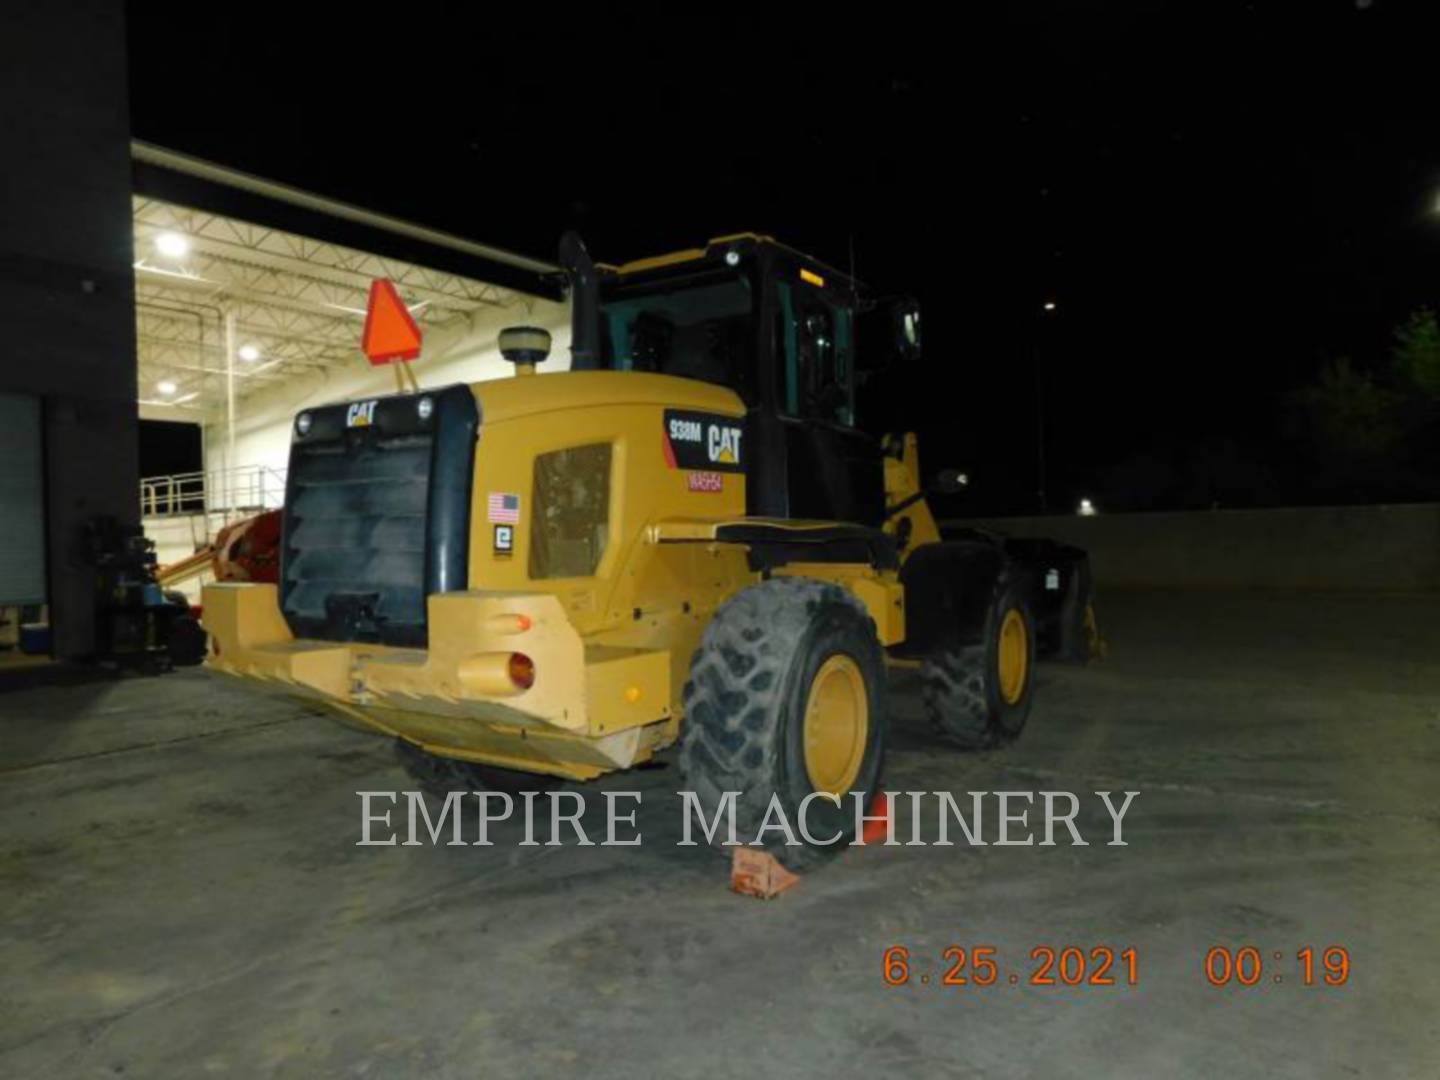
263	419
178	537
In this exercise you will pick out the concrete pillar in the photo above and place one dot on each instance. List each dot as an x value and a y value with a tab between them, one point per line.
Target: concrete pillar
67	304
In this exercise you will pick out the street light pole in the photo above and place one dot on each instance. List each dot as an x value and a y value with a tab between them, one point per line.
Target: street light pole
1037	359
1039	422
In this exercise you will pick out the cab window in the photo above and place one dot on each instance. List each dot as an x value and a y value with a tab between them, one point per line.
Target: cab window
701	327
815	343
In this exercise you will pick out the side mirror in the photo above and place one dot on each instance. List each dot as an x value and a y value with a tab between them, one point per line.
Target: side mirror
950	482
905	329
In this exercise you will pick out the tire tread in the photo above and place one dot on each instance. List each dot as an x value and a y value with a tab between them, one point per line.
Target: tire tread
731	739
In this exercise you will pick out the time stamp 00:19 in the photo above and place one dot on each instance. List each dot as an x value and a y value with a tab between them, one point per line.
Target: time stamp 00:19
980	966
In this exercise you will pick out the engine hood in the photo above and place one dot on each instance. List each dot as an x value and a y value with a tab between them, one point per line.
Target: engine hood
527	395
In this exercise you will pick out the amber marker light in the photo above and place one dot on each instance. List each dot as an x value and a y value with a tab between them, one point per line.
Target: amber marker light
510	623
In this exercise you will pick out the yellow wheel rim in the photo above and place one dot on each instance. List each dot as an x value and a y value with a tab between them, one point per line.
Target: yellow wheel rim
837	725
1014	656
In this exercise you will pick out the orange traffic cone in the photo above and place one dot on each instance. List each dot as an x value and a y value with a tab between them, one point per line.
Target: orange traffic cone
877	829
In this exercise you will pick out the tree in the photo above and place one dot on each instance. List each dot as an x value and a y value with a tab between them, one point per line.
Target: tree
1416	353
1349	417
1374	436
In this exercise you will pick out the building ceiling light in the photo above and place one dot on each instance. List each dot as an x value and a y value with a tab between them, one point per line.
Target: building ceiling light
172	244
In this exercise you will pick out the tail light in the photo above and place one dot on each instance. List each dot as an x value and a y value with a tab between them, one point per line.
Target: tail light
521	670
496	674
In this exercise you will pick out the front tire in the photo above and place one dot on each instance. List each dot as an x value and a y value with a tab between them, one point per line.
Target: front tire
785	698
978	695
1079	634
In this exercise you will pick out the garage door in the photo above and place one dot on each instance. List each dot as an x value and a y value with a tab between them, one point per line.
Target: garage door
22	502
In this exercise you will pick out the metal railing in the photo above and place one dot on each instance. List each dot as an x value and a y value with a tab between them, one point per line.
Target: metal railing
240	491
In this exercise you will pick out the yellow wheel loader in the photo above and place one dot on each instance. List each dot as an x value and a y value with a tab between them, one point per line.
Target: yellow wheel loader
686	538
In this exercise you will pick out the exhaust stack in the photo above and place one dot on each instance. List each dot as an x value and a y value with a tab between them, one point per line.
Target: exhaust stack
584	302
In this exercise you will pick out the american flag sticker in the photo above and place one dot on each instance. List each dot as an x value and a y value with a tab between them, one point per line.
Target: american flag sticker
503	508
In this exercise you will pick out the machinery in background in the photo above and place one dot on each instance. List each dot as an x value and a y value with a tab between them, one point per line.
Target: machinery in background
138	624
247	550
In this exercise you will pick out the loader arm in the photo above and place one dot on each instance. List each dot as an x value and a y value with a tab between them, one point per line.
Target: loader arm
907	515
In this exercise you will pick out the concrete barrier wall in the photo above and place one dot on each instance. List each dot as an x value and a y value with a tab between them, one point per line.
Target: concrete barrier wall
1333	547
1390	548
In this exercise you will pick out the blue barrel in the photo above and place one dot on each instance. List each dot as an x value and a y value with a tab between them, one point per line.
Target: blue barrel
35	638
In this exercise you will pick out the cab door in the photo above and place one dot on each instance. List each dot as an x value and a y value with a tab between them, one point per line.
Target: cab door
833	471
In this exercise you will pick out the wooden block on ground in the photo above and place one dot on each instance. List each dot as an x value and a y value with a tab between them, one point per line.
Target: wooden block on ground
758	873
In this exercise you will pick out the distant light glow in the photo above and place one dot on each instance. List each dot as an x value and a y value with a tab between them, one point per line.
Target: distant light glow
166	387
249	353
1049	305
1086	508
172	244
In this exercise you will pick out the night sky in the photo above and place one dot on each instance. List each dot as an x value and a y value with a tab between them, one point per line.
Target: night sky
1218	197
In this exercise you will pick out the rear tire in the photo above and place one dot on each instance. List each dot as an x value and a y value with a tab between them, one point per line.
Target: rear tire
439	776
975	695
787	682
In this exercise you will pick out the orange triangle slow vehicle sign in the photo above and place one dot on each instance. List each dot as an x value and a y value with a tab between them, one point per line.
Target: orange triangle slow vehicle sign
390	330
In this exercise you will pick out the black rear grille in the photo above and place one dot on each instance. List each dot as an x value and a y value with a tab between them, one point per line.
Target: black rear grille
377	516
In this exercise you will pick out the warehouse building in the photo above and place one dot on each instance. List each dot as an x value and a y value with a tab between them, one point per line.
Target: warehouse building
250	302
138	283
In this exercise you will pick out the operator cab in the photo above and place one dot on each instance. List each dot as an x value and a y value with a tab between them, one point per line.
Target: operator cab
775	326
